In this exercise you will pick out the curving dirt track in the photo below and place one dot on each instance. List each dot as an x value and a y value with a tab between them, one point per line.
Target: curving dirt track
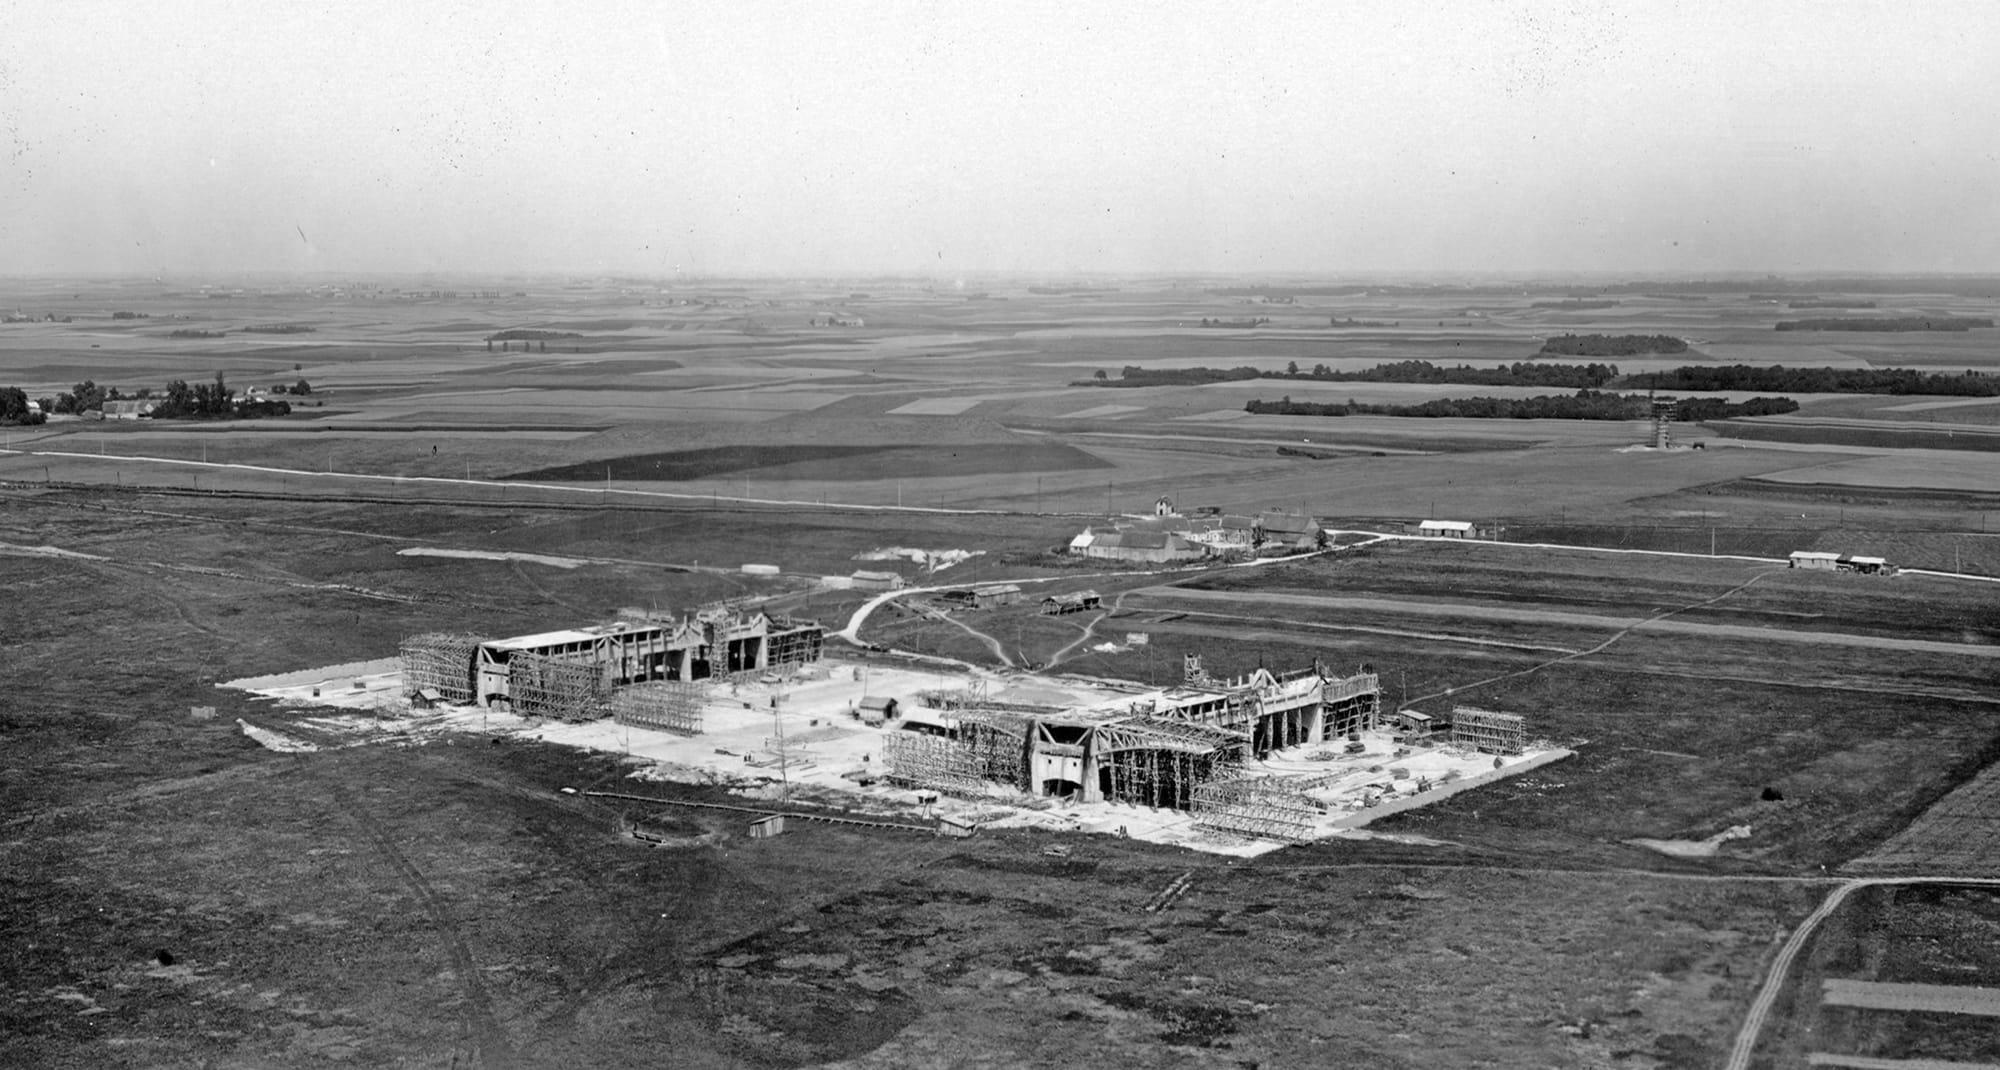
1589	620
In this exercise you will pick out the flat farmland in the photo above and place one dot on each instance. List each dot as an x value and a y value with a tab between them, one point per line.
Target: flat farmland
445	904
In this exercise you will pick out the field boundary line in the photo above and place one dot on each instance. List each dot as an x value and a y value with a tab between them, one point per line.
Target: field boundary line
1774	980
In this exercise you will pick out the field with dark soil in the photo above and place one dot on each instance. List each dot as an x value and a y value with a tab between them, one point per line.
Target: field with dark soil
833	462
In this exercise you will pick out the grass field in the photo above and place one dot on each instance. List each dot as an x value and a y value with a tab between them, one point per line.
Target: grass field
445	905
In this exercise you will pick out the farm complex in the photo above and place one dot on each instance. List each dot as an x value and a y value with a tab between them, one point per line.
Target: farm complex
898	672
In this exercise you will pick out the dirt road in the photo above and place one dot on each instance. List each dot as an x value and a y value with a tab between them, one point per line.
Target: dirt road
1509	614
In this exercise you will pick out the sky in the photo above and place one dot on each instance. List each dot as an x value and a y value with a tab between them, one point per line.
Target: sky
959	139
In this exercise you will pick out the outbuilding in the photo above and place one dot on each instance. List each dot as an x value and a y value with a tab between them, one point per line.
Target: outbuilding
876	709
1815	559
877	581
1445	529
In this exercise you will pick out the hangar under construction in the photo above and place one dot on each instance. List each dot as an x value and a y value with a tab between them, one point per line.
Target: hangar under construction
587	673
1166	749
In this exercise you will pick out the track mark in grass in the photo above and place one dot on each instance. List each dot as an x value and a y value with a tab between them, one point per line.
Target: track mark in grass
481	1041
1615	637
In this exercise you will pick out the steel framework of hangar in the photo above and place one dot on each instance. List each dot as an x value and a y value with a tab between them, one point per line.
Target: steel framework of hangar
571	674
1162	751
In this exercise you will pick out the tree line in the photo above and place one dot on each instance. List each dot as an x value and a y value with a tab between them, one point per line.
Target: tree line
1520	373
1886	323
1582	405
1612	345
179	401
1821	380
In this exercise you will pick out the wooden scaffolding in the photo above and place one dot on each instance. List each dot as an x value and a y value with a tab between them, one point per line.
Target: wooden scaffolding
793	641
1352	704
997	740
1264	807
1488	731
1155	762
934	763
666	705
566	690
440	662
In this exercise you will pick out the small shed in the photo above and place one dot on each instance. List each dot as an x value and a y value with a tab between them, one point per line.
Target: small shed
767	826
1414	723
876	709
426	699
1815	559
954	826
1870	565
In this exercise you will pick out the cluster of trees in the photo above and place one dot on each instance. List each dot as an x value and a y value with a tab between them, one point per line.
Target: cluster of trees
1887	323
190	332
1612	345
131	315
1254	321
1289	291
179	402
1574	304
280	328
1832	302
14	407
1822	380
1582	405
521	334
1566	376
206	401
85	396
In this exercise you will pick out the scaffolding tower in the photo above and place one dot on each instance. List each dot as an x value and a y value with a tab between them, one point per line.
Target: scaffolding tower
1352	704
934	763
998	744
1487	731
566	690
440	662
667	705
1263	807
793	641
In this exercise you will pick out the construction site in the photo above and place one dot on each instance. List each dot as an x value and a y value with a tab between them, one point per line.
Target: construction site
1236	765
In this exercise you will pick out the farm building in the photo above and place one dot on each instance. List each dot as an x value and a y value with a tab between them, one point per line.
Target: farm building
985	596
877	581
1224	535
1869	565
129	409
1082	540
1445	529
1290	532
1071	602
1815	559
1156	547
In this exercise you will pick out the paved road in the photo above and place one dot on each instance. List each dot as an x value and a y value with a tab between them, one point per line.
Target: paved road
1555	616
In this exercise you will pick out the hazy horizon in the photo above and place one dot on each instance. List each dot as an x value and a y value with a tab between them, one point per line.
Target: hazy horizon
1377	141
